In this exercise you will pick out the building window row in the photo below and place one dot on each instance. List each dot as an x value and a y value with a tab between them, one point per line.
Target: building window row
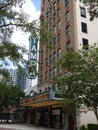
54	14
54	57
55	27
84	28
54	42
67	18
53	72
53	7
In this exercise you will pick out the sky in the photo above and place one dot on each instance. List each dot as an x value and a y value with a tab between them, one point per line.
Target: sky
37	4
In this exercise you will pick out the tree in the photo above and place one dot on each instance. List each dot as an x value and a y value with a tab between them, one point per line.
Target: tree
79	83
11	19
9	96
92	8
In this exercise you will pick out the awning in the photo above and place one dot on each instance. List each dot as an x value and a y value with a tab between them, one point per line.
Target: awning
48	98
44	103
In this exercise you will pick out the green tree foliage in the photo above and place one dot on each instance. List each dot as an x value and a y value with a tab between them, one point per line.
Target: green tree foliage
79	83
11	19
92	8
9	96
5	76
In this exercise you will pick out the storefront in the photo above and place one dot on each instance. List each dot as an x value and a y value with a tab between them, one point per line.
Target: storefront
44	109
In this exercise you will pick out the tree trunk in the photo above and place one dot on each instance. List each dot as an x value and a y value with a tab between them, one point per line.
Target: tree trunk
96	114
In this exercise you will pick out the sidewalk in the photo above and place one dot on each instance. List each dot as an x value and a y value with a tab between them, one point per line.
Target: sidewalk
23	127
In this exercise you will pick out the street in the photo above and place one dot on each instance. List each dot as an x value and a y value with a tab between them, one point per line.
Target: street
22	127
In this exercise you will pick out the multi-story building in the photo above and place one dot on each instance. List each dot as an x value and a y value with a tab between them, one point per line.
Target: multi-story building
21	79
13	75
71	27
69	22
18	79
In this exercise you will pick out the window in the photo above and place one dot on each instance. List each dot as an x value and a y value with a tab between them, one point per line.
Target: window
58	25
50	44
54	56
58	38
54	5
81	1
49	0
83	12
46	89
47	14
59	53
43	1
47	75
66	2
67	16
54	16
47	62
40	90
59	70
50	59
58	1
46	50
50	21
67	30
84	27
54	29
54	71
50	73
54	42
58	12
50	10
68	46
85	43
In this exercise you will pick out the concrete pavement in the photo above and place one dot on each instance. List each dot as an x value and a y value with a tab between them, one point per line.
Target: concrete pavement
22	127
